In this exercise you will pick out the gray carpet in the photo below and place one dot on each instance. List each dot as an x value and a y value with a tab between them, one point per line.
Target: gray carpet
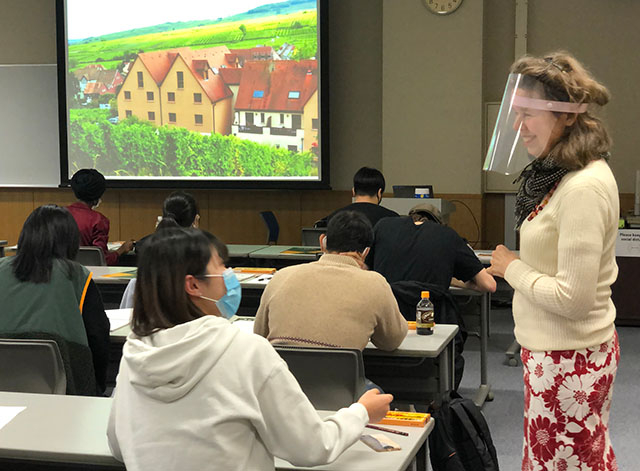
504	413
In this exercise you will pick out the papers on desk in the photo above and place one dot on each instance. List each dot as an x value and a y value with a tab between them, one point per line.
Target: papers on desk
118	318
245	276
245	325
8	413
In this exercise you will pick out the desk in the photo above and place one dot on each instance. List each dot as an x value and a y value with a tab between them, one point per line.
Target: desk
275	252
72	430
243	250
112	287
437	346
484	390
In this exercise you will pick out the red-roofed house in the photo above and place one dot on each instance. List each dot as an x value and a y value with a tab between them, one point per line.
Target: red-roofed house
179	87
111	80
277	104
231	76
238	57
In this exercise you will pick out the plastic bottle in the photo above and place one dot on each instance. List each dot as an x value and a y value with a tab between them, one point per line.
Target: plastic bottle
424	315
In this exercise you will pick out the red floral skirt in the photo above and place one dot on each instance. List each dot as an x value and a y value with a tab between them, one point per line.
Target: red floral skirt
567	400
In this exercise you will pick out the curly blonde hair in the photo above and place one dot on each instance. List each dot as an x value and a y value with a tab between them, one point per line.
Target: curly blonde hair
563	78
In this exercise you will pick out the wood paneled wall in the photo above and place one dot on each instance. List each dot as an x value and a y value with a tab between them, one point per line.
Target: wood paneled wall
233	214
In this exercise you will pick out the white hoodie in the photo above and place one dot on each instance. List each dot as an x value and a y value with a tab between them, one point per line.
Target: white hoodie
204	395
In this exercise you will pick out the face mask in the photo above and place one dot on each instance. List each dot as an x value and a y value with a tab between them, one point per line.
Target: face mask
229	303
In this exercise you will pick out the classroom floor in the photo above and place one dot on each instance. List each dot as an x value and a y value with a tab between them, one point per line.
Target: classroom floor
504	413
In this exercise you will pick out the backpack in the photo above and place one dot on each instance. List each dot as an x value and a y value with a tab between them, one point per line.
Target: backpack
461	440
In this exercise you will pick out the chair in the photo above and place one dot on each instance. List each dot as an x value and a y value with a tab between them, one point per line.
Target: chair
310	235
273	228
32	366
331	378
91	256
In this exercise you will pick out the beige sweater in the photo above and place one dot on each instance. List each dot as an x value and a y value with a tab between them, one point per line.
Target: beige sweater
562	282
331	302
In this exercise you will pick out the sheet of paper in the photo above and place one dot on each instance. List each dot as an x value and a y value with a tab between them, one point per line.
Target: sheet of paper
118	317
245	325
245	276
8	413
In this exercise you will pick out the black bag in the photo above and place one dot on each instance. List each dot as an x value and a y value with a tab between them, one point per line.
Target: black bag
461	440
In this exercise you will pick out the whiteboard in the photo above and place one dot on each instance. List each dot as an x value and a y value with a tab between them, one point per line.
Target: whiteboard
29	142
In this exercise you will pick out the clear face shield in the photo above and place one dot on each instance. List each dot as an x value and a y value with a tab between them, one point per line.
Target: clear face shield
527	126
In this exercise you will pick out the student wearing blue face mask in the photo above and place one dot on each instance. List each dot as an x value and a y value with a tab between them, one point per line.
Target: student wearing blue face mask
195	392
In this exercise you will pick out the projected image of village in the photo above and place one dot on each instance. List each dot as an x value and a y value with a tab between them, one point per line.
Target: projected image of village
205	89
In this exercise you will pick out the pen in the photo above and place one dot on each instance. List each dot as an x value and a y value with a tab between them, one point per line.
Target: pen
385	429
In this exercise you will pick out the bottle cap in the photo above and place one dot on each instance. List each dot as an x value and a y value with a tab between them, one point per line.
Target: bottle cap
424	294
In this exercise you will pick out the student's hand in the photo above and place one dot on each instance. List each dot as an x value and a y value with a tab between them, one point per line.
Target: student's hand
125	247
377	404
501	257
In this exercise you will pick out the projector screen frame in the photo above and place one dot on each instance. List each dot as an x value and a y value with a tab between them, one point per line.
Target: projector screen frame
290	183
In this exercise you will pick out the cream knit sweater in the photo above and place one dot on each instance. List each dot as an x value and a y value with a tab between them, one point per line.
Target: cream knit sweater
562	281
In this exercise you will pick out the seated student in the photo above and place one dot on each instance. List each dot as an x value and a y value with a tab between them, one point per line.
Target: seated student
47	295
368	187
178	210
89	185
333	302
417	253
195	392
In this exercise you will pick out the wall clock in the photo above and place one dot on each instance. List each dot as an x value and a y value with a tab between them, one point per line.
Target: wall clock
442	7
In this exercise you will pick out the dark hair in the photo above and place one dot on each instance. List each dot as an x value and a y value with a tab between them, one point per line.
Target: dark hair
181	207
349	231
367	181
169	255
49	233
563	78
88	185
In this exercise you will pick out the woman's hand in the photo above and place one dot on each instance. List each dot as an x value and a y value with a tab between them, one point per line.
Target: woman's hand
377	404
501	257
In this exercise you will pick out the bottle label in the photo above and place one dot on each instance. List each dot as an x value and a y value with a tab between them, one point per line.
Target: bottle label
424	318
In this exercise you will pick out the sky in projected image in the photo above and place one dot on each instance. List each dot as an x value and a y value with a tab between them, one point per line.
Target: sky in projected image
84	22
209	90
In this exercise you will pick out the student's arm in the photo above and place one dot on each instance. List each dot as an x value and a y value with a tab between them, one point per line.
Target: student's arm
96	325
483	281
392	326
291	428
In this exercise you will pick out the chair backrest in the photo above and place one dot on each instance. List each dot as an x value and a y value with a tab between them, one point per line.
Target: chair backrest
90	256
331	378
33	366
310	235
273	228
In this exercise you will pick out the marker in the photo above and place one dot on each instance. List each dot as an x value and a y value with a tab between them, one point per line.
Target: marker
385	429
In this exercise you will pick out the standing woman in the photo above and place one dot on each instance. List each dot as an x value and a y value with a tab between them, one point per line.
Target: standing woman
567	210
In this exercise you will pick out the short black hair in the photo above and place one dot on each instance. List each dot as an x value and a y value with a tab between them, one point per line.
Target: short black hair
182	207
169	255
88	185
349	231
49	233
367	181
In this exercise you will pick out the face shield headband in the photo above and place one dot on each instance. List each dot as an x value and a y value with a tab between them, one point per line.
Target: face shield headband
526	127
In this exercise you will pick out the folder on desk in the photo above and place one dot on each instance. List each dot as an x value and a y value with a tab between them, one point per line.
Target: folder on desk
410	419
255	270
124	274
302	250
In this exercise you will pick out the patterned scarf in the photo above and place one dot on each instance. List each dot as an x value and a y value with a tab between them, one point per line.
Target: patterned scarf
537	180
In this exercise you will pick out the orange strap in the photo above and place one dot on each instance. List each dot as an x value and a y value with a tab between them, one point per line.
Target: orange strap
84	291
